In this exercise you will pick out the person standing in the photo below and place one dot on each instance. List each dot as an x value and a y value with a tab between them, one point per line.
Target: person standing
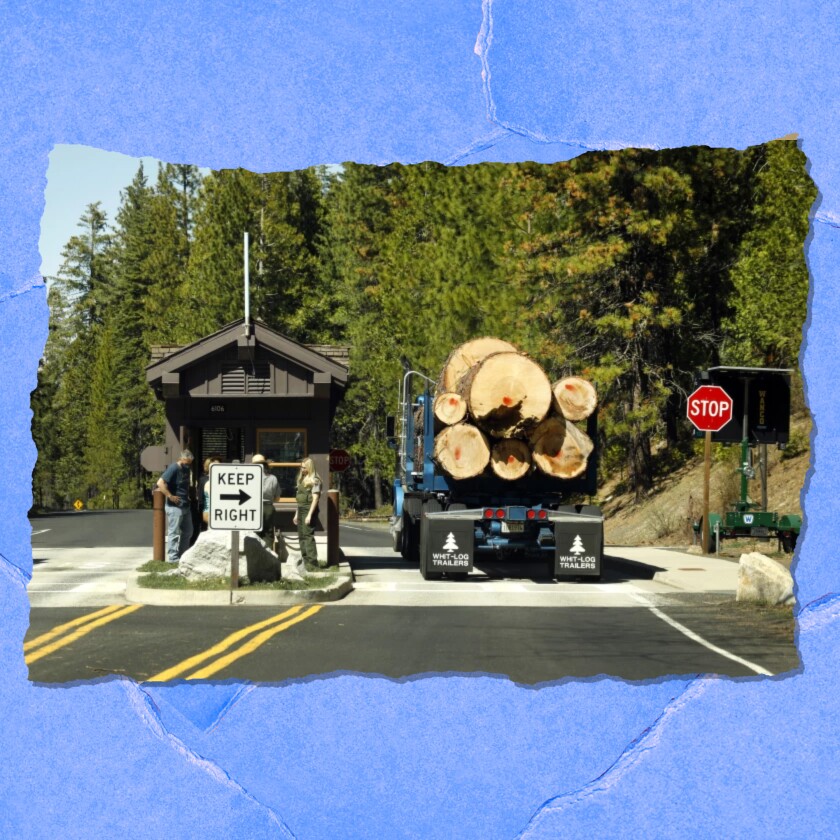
175	486
270	491
307	496
204	490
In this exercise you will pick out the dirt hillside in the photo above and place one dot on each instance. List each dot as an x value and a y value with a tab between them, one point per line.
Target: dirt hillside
665	516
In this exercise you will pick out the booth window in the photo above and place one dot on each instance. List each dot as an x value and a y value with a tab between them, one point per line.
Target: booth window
284	449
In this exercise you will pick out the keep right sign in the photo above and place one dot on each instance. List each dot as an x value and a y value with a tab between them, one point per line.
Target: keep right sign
710	408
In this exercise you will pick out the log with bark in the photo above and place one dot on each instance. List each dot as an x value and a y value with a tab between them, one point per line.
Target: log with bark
560	449
575	398
507	394
462	451
511	459
450	408
463	357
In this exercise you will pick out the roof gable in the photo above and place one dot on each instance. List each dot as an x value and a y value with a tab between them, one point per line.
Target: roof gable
238	335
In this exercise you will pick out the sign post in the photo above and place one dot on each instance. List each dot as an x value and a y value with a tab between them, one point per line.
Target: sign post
235	505
709	409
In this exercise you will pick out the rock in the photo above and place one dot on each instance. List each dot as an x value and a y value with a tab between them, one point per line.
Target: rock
293	566
762	579
262	563
208	557
694	549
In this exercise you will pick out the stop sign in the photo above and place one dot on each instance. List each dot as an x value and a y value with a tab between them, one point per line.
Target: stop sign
710	408
339	460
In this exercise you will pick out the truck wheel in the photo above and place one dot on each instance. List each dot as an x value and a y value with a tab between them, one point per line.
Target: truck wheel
411	540
397	540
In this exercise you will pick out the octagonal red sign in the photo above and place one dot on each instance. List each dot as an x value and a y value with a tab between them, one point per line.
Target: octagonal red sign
710	408
339	460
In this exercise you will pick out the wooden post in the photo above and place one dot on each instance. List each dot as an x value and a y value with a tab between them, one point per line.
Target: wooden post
332	527
707	470
234	559
158	527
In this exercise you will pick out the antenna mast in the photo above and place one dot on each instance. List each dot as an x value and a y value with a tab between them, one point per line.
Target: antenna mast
247	286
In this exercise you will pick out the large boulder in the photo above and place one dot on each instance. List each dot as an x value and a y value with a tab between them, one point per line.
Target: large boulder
262	563
208	557
763	579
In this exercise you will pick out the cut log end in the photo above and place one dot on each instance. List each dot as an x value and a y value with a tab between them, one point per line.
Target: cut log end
450	408
462	358
560	448
511	459
575	398
507	394
462	451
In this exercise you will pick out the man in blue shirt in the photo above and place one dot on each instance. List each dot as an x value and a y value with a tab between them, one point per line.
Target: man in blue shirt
175	486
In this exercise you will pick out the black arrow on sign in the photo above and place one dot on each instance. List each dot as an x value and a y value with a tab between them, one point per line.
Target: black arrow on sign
242	496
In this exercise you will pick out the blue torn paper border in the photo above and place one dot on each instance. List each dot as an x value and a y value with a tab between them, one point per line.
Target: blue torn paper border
277	86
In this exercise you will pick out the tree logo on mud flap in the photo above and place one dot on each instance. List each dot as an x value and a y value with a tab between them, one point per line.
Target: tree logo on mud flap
577	546
450	544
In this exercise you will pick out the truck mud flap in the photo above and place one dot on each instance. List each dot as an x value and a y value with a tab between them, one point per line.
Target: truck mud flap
446	546
579	548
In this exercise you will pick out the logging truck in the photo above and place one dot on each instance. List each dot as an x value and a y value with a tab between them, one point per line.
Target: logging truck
489	458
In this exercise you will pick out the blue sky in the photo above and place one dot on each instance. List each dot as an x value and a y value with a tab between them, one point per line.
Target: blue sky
76	177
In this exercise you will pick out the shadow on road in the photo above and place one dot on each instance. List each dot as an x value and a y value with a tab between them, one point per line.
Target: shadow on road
615	570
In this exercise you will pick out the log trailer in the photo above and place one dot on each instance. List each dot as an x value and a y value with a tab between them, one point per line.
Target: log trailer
446	525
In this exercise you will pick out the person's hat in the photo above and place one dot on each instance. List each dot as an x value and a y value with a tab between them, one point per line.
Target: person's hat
258	459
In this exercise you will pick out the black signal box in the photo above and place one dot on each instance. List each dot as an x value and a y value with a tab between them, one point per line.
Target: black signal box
766	394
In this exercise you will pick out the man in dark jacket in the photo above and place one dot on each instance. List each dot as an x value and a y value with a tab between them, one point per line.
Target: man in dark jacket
175	486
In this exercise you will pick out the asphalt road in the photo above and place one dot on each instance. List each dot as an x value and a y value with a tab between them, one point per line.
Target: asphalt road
524	645
394	625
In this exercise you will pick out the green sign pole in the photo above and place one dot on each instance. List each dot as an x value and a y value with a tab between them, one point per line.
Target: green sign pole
707	472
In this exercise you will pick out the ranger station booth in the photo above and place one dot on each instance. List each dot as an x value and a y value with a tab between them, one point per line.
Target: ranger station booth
247	389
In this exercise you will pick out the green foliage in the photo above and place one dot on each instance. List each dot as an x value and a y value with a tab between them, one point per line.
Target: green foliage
632	268
770	278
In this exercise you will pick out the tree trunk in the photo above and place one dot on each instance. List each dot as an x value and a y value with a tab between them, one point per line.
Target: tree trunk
462	451
511	459
377	488
507	394
574	398
462	358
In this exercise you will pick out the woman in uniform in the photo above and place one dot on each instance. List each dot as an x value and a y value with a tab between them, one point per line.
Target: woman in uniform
307	495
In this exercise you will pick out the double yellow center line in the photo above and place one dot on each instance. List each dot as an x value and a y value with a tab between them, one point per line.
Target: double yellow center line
276	624
44	645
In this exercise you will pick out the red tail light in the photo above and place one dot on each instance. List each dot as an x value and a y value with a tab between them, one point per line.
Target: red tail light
543	514
531	514
500	513
488	513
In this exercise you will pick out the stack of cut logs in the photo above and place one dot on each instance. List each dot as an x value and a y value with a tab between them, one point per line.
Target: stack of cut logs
496	406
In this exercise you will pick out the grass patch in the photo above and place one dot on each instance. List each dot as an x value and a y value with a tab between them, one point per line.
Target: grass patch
154	577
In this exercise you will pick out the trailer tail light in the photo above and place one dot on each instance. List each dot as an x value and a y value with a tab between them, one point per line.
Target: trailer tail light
543	514
531	514
500	513
488	513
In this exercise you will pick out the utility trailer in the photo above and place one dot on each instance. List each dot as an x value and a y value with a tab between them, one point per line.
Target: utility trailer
445	525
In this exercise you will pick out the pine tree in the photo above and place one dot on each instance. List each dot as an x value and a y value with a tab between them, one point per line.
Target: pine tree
769	301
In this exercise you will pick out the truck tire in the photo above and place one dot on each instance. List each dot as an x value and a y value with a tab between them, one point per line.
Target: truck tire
411	539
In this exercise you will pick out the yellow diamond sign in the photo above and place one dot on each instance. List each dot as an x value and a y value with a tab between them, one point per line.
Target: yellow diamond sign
78	504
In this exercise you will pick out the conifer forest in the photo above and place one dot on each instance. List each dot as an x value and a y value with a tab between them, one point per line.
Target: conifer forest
633	268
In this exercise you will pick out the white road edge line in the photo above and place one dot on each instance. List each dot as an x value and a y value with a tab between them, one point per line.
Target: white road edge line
42	531
699	639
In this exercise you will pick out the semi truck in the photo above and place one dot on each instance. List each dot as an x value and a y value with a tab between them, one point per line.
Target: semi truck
445	525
